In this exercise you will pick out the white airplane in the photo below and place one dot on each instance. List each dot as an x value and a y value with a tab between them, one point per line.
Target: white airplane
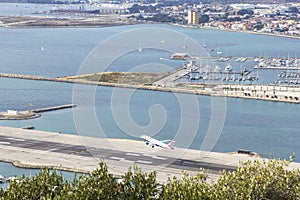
153	142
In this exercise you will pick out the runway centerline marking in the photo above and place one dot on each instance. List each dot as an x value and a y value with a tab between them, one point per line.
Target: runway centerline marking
121	159
144	162
5	142
16	139
155	157
133	154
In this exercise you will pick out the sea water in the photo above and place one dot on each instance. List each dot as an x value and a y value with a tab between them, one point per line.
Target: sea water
268	128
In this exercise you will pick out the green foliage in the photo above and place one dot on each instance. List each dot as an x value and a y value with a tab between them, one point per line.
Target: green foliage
293	9
258	26
189	187
98	185
259	180
245	11
159	17
46	185
138	185
252	180
204	19
2	193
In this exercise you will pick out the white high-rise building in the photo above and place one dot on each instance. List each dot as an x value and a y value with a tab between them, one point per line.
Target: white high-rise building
193	17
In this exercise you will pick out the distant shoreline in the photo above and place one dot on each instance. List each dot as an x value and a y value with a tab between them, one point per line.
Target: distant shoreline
55	22
90	22
236	31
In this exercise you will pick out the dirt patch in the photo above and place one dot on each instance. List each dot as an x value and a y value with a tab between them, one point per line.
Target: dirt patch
132	78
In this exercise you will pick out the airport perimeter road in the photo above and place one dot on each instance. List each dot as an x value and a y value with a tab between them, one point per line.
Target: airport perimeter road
31	148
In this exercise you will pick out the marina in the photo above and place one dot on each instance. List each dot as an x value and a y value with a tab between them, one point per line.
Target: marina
195	71
279	64
289	77
213	73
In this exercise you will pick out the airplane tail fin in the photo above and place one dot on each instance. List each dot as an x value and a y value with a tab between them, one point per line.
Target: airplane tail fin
171	145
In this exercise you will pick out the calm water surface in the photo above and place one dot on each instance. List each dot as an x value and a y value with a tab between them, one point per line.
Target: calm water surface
268	128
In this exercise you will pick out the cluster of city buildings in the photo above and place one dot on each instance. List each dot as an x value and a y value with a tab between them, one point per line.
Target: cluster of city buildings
278	18
268	18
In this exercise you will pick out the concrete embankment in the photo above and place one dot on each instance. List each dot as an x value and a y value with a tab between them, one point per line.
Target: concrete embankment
279	93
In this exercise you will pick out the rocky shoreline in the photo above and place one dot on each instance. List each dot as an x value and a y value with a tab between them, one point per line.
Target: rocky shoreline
19	115
30	114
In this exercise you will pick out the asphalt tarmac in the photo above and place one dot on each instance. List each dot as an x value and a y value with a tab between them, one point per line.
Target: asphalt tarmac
129	157
39	149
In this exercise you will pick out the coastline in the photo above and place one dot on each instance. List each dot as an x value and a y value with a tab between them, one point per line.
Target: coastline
236	31
101	21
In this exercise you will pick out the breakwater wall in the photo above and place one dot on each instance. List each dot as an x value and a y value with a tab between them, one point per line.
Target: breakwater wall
284	93
29	77
53	108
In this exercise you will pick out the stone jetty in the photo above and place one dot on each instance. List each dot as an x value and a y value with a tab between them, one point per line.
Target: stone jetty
278	93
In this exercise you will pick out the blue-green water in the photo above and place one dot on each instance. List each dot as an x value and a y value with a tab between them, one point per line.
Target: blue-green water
269	128
10	171
266	127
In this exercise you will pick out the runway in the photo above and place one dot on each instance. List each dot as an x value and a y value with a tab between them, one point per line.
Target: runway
37	149
129	157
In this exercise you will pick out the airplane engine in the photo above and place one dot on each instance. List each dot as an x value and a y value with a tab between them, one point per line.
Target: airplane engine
147	142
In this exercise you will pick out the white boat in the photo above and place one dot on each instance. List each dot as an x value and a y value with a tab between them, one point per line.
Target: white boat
2	179
243	59
228	68
217	69
203	44
219	51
